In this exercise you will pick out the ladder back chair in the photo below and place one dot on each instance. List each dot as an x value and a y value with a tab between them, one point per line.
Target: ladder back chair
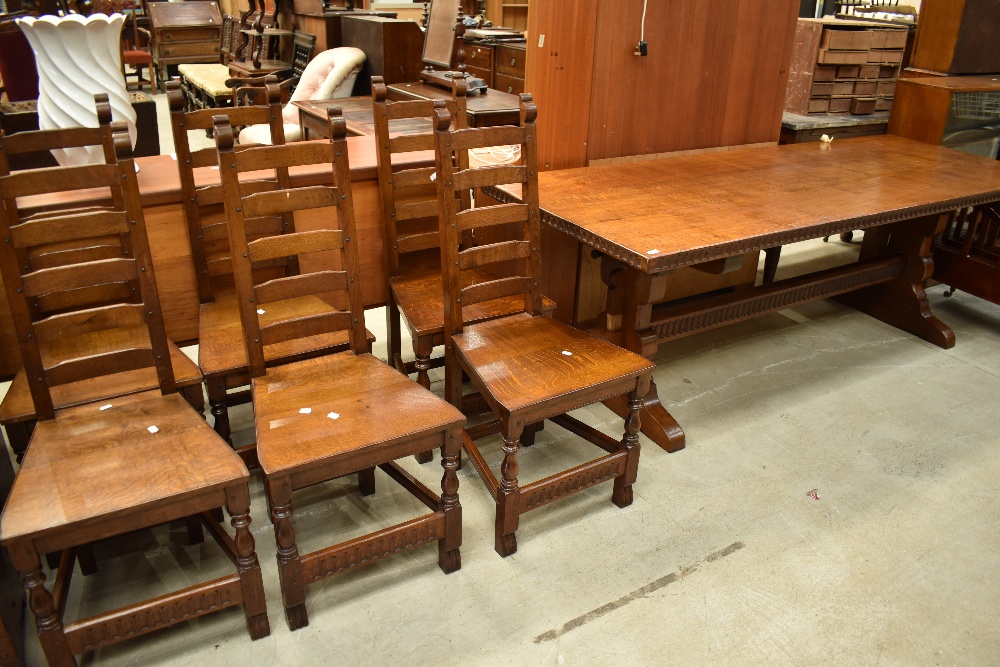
527	367
333	415
94	471
17	412
221	354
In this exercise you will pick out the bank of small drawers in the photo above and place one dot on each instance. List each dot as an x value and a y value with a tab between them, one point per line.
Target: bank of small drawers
501	66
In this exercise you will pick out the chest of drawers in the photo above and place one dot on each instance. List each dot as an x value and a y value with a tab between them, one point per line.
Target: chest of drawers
184	32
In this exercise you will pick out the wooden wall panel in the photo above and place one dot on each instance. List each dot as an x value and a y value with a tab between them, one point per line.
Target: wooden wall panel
715	75
559	74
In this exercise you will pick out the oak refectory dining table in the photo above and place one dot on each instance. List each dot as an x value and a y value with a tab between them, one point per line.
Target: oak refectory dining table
706	211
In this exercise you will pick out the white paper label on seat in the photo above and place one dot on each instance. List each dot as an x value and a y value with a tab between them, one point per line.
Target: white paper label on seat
567	353
105	407
260	311
333	415
652	252
434	176
152	429
305	411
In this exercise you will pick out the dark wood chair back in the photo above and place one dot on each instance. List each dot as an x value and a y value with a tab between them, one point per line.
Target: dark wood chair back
203	204
26	284
246	208
522	253
99	140
409	196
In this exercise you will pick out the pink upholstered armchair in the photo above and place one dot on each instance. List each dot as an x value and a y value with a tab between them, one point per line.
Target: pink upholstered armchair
330	75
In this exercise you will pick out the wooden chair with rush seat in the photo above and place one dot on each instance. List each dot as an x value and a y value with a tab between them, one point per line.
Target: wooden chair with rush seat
527	367
221	354
333	415
100	469
17	412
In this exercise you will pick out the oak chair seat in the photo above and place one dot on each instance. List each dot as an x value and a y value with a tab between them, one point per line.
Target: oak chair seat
522	366
420	294
67	476
370	400
220	335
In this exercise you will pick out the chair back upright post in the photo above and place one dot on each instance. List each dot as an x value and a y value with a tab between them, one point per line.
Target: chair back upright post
25	283
523	252
242	208
208	235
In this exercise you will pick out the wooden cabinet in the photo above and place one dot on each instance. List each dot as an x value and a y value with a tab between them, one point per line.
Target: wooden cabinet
960	112
326	24
508	13
509	65
841	67
393	49
184	32
957	37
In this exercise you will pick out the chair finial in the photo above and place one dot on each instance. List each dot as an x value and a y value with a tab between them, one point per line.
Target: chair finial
122	141
175	96
338	126
379	91
528	109
223	134
103	108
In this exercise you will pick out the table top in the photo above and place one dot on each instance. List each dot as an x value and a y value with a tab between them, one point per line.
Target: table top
359	115
495	101
657	215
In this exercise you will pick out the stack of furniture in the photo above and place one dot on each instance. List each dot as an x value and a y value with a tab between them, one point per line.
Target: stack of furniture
841	67
950	95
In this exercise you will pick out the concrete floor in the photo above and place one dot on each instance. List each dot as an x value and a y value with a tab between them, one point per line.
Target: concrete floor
837	503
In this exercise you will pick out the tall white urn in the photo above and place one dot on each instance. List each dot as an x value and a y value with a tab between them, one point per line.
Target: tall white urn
77	57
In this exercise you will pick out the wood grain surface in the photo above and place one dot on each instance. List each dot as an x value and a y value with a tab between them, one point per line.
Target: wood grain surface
663	214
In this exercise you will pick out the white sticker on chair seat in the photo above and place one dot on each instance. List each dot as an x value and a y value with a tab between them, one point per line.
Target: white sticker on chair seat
333	415
260	311
305	411
653	251
567	353
105	407
152	429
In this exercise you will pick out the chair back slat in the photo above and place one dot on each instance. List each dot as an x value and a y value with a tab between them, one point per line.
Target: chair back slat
25	184
410	178
304	327
420	241
483	255
416	210
68	228
411	143
484	177
90	320
484	137
77	276
68	277
83	368
300	243
248	253
255	158
38	141
495	289
293	287
197	200
223	266
275	203
409	194
47	258
487	216
519	255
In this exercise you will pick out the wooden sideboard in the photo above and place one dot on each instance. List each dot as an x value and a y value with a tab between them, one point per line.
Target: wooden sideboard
159	185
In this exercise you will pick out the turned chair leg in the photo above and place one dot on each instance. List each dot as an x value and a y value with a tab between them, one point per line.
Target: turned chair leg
508	495
449	555
622	493
217	401
422	352
42	604
293	590
247	565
